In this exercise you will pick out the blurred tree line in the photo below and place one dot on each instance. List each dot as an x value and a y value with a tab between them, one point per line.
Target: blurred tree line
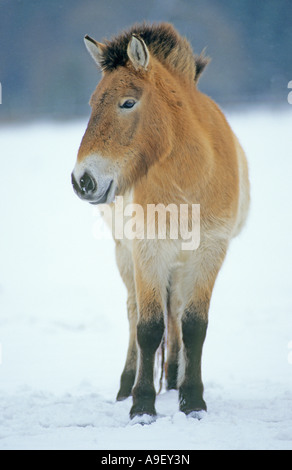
46	71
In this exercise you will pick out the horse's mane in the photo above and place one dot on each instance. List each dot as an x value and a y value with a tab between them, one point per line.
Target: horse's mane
163	42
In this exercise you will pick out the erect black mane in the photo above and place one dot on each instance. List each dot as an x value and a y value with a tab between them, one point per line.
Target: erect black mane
162	41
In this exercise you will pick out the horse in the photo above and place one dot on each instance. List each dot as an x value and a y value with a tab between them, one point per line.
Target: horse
153	138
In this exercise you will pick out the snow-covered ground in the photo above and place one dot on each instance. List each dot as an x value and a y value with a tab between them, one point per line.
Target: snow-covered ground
63	325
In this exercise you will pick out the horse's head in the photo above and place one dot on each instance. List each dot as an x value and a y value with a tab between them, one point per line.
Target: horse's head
129	124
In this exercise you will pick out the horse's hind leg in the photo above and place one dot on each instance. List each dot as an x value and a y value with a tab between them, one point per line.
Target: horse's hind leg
129	372
173	345
125	264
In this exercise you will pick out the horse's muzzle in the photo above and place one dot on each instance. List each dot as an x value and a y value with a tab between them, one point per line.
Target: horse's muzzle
86	189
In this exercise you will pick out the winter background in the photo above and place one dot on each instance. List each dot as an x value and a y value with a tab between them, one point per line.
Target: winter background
63	321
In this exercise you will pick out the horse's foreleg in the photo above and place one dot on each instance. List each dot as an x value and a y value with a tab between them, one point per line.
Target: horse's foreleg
194	321
194	328
150	330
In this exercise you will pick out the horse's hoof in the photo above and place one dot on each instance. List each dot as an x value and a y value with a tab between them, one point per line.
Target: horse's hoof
143	413
143	419
197	414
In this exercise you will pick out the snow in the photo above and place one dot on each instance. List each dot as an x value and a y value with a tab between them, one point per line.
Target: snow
63	322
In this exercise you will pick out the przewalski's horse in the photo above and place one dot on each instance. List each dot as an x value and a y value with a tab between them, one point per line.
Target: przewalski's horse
154	138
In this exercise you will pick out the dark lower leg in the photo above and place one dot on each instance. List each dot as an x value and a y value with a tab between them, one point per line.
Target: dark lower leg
128	374
149	335
194	327
172	368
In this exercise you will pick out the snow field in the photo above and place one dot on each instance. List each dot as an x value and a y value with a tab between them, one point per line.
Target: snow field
63	322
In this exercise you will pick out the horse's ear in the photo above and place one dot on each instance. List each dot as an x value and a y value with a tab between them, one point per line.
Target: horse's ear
138	52
95	49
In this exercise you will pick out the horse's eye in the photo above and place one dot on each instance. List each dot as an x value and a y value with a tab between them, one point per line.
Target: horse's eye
128	104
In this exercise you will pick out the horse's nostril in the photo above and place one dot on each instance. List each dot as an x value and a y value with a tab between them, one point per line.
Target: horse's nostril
87	183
